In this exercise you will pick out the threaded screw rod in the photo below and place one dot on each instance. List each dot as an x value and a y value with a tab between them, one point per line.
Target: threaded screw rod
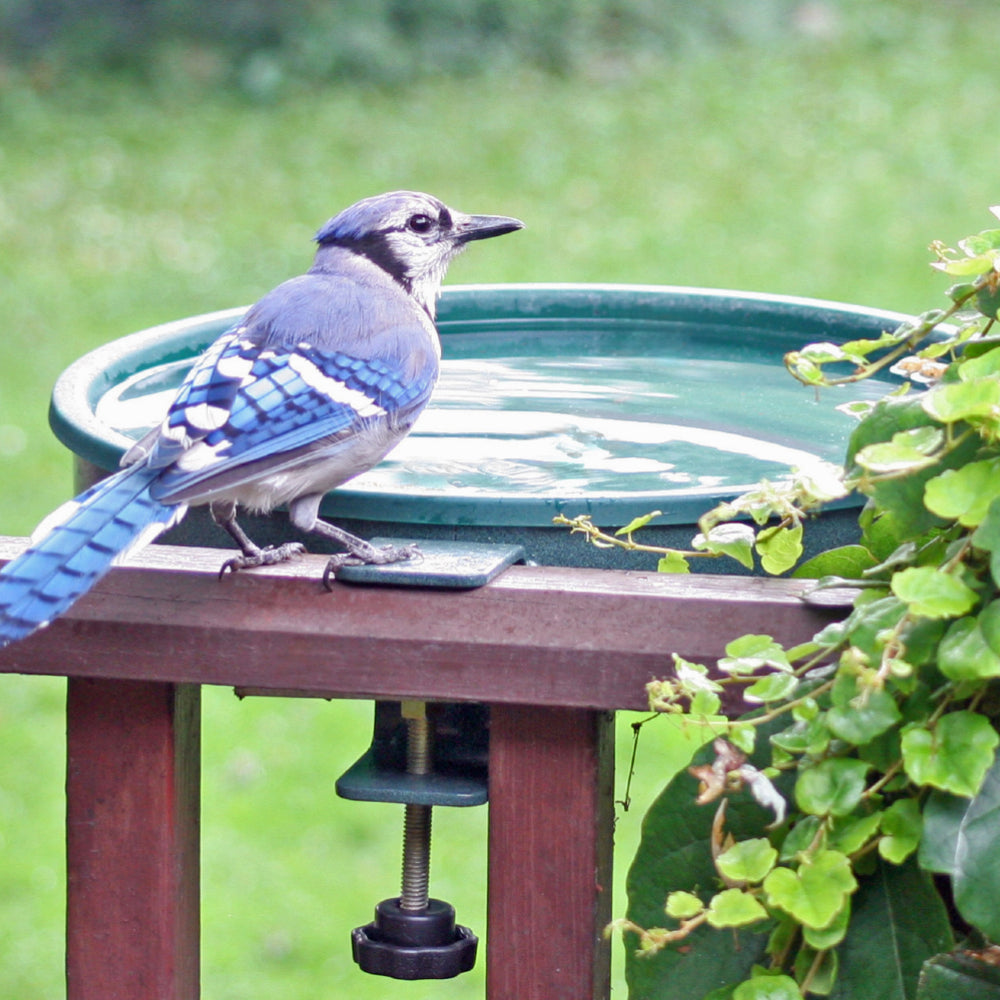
417	818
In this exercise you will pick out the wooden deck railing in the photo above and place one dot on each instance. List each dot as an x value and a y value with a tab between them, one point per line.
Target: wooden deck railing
553	651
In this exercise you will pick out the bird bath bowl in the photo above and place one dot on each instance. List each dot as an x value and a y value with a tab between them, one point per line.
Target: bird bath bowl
606	400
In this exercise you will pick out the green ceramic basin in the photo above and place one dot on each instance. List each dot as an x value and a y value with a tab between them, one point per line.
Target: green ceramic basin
609	400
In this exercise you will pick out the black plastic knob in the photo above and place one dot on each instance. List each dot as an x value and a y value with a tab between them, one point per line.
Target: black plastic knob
414	944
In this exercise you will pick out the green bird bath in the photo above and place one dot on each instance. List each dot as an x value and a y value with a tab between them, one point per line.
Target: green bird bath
607	400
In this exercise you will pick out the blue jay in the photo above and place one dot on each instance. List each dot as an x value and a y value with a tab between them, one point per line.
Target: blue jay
313	386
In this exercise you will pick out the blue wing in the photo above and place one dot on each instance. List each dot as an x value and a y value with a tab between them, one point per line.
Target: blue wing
247	408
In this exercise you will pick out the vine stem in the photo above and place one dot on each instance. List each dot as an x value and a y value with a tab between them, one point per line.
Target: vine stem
908	344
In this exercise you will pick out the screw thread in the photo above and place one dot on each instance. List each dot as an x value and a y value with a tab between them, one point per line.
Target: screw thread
417	819
416	858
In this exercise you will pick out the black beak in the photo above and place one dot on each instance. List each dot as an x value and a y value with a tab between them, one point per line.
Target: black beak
484	227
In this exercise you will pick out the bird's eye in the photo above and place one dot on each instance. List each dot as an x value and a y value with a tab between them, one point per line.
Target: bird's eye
420	223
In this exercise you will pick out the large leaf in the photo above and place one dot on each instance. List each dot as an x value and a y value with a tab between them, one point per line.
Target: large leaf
976	875
898	921
675	854
959	976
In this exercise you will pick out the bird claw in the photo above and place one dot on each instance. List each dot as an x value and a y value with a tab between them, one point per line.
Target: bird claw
368	556
269	556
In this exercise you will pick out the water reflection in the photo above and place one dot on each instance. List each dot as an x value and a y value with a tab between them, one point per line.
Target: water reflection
602	425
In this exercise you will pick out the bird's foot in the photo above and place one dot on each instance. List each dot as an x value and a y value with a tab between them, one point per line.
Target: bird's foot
368	555
251	558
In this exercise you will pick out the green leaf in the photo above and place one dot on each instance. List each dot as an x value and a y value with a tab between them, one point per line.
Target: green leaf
779	548
943	817
734	908
907	451
753	652
976	874
954	756
833	934
985	365
965	267
817	892
956	974
898	921
847	561
747	860
899	502
859	715
683	905
772	687
987	538
674	855
966	652
673	562
831	787
743	736
902	825
964	494
851	833
638	522
932	593
768	988
950	402
731	539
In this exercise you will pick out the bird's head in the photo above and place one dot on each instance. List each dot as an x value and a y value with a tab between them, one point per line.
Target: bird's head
411	236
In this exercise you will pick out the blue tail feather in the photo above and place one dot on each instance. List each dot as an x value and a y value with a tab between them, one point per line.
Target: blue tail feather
97	529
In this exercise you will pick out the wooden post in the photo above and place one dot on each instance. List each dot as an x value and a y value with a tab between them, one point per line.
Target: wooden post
550	844
132	788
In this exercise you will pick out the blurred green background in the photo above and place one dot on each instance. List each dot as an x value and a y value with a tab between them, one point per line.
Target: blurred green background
163	159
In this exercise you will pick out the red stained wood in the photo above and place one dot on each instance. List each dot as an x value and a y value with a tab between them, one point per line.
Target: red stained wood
537	635
550	842
132	782
551	650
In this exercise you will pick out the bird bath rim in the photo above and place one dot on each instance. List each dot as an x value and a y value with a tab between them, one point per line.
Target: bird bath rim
496	308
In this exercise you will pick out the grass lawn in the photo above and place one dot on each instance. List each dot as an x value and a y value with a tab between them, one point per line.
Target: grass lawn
819	167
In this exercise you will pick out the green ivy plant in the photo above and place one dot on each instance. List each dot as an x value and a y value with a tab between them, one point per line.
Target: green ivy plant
836	841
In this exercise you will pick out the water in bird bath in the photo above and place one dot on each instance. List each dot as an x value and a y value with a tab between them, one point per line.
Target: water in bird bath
654	411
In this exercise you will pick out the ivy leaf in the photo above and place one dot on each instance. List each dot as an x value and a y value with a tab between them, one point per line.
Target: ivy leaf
673	562
965	267
902	825
779	548
907	451
970	649
817	892
768	988
638	522
734	908
950	402
932	593
859	717
731	539
846	561
753	652
985	365
954	756
772	687
683	905
747	860
831	936
851	833
964	494
832	787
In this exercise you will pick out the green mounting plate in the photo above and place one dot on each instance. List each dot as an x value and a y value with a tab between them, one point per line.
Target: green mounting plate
365	781
446	564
